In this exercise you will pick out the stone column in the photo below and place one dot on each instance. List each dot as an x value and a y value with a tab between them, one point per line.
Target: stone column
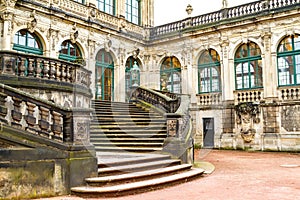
7	18
269	71
227	73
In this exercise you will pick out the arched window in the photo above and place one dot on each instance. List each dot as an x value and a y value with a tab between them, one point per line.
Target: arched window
27	42
170	75
288	61
69	51
128	78
248	67
107	6
209	71
132	13
104	76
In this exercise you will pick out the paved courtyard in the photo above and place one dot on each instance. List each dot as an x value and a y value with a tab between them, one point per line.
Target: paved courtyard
237	175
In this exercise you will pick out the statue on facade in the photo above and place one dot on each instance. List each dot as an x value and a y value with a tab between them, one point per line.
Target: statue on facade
224	4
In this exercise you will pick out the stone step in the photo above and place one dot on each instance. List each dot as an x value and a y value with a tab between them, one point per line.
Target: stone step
112	159
127	144
135	167
128	149
150	140
124	123
138	186
125	135
136	176
129	127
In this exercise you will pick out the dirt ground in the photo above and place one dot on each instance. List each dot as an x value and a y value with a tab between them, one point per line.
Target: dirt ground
237	175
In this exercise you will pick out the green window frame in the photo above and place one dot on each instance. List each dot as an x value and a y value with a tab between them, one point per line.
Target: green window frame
288	61
248	67
170	75
133	11
69	51
27	42
209	70
104	76
107	6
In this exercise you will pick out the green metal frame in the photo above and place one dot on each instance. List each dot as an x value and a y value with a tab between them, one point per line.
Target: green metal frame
170	72
293	64
210	65
130	8
109	3
247	60
26	48
102	66
68	56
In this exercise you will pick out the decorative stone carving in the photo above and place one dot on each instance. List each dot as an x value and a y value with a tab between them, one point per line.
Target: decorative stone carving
74	34
107	43
8	3
31	25
247	115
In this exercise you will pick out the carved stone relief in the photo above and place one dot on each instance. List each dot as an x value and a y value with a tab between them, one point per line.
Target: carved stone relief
247	116
290	118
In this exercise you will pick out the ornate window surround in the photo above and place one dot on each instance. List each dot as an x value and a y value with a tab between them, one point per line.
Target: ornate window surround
27	42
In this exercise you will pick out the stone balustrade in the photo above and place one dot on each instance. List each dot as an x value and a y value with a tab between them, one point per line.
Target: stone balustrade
254	8
39	67
289	93
209	99
244	96
155	98
43	118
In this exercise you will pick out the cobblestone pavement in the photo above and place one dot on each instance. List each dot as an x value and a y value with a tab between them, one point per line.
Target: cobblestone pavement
238	175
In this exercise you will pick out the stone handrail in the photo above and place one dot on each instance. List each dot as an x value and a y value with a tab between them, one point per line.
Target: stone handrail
253	8
289	93
155	98
209	99
39	117
243	96
40	67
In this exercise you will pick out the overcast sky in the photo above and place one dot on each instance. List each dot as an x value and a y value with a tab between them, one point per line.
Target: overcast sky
167	11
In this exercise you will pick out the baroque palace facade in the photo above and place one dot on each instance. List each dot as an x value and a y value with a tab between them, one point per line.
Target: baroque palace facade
240	65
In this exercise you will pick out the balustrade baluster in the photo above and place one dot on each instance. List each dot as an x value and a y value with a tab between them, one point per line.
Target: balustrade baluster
57	125
39	69
44	121
30	118
46	69
3	109
58	72
21	66
30	67
16	112
52	71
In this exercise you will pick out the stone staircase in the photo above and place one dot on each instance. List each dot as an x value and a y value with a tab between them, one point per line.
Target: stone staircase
130	173
119	126
129	141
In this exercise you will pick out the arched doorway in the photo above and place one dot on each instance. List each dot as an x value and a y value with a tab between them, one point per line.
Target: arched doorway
104	76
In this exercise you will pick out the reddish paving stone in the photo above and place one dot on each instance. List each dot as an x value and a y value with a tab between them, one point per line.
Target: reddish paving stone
238	175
